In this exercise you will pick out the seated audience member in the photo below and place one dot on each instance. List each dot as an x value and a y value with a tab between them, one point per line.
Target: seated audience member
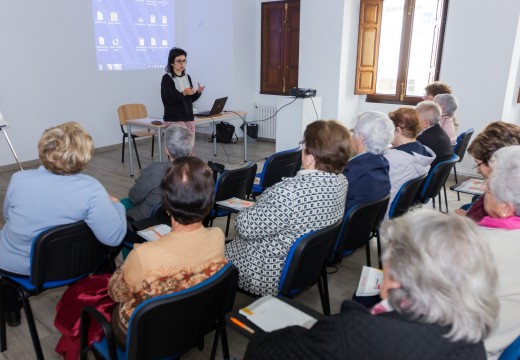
145	194
54	194
432	135
367	171
435	88
495	135
438	302
313	199
502	227
186	256
408	158
448	104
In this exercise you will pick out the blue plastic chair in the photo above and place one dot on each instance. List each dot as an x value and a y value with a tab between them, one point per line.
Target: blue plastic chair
60	256
460	150
166	326
512	352
305	264
404	198
277	166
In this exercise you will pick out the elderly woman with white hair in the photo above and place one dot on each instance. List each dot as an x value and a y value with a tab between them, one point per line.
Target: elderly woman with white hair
438	302
502	227
449	105
367	171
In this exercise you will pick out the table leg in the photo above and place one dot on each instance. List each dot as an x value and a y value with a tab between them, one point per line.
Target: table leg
245	140
160	143
129	132
214	139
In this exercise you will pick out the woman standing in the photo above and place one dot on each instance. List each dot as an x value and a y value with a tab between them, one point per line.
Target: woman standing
177	92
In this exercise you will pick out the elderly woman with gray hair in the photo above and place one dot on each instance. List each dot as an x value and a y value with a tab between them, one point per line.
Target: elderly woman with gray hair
146	194
367	171
502	227
448	104
438	296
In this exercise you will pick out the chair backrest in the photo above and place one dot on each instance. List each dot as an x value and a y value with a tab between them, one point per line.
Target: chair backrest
405	197
357	227
160	214
131	112
435	180
170	324
512	352
462	143
282	164
306	259
236	183
65	252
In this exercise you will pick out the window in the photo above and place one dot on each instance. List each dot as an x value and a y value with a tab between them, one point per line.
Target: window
399	48
280	46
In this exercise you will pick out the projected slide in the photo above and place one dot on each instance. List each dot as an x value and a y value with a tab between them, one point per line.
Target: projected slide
132	34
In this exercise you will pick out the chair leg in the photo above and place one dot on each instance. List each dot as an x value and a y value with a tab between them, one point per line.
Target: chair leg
30	323
227	224
323	288
3	338
225	347
446	198
136	154
123	150
153	143
367	248
456	180
215	343
379	249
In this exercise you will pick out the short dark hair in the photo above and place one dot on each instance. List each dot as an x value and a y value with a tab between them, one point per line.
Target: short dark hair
174	52
187	190
330	144
436	88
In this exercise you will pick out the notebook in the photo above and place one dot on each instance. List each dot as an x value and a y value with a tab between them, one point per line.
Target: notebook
217	108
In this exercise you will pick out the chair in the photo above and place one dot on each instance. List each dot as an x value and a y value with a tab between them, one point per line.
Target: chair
232	183
460	150
404	198
131	112
435	181
168	325
279	165
512	352
359	225
60	256
305	264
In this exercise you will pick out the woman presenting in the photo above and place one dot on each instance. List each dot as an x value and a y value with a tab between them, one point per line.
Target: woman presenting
177	91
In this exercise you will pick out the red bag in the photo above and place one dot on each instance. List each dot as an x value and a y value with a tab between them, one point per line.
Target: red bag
92	291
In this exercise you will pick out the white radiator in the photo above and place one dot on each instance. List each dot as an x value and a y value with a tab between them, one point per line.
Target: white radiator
266	120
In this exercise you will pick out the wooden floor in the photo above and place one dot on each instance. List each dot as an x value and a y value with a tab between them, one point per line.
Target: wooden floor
108	169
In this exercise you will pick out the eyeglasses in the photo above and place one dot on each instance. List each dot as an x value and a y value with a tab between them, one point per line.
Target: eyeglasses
477	165
181	61
302	144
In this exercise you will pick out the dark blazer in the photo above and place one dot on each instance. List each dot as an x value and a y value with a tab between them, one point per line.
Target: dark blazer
357	334
368	179
177	107
437	140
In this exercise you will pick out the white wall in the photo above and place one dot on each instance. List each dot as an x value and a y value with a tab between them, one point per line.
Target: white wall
48	76
48	73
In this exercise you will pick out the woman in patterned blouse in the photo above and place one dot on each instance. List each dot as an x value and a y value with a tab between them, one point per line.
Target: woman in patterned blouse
313	199
186	256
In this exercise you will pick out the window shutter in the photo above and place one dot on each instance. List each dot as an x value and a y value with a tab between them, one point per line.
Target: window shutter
272	47
370	12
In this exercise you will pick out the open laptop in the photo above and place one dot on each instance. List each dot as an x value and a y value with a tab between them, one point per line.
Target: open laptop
217	108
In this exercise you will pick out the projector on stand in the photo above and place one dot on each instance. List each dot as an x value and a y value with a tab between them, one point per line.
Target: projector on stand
302	92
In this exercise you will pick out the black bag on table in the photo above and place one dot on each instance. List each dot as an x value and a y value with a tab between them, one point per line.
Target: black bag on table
225	132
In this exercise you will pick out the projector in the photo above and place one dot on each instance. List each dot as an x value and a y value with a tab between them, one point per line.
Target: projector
302	92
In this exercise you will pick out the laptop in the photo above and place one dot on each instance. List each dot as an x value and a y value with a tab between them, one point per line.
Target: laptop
217	108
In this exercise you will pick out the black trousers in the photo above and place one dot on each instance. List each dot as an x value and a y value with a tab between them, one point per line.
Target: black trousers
12	300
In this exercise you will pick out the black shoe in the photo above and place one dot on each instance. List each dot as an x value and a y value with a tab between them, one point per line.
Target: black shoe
13	318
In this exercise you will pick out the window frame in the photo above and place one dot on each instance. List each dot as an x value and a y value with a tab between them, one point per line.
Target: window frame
371	12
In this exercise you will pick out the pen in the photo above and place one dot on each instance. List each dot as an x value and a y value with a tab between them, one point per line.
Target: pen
242	325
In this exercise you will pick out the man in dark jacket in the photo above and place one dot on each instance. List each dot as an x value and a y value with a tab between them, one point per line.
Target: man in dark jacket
432	135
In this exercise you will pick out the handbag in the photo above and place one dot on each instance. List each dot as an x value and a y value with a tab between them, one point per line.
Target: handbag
225	132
